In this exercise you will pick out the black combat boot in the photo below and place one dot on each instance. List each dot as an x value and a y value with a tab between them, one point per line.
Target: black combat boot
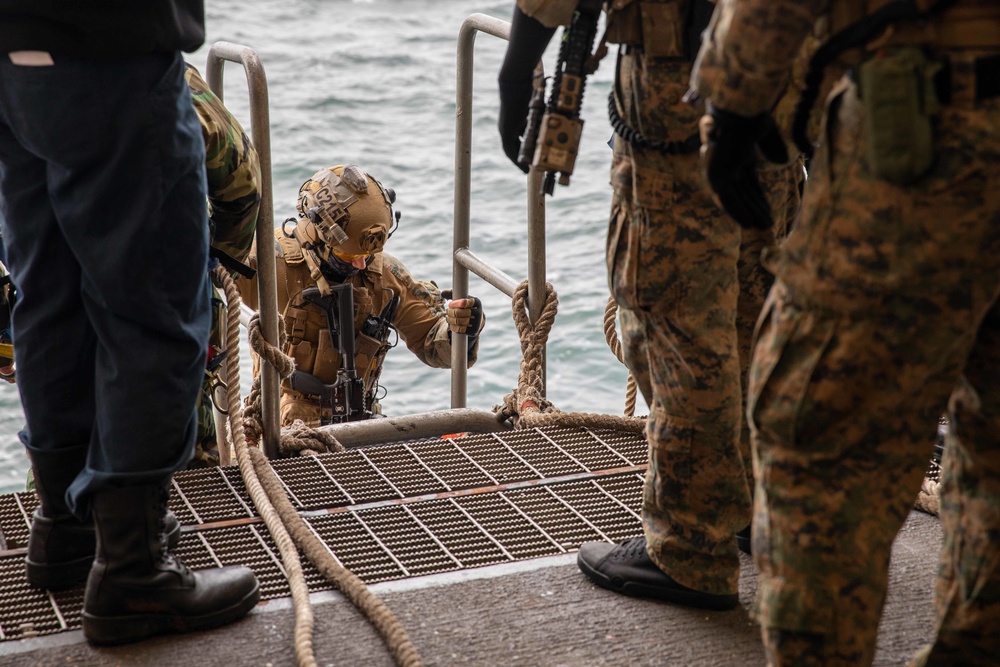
626	568
60	546
137	588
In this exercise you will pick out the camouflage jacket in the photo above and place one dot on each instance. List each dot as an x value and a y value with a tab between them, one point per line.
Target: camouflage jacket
233	172
635	17
744	59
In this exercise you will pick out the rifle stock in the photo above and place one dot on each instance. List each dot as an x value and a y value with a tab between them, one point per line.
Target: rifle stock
346	395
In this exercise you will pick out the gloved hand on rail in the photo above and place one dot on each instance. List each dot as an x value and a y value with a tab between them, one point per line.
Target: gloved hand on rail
528	39
465	315
731	146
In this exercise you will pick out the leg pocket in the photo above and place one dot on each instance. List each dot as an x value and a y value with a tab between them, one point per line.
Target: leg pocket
644	236
621	250
670	474
789	347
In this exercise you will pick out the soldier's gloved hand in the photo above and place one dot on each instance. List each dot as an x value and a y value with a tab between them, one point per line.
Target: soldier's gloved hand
731	146
528	39
465	315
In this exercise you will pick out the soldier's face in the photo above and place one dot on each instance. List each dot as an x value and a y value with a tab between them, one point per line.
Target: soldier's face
357	261
341	269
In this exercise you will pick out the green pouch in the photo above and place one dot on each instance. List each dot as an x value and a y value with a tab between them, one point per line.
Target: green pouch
899	97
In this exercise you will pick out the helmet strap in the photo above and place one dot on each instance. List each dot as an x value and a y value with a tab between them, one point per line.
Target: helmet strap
305	233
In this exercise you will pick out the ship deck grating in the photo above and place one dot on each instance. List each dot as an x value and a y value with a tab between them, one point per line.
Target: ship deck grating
386	512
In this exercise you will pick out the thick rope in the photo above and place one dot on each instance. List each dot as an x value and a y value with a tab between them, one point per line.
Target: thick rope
303	632
526	406
394	634
929	496
300	438
611	335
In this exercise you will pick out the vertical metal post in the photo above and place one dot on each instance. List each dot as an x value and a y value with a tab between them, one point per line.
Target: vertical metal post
463	166
536	252
266	279
463	182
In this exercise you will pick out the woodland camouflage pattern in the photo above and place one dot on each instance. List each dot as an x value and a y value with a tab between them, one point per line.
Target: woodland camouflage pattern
233	171
884	315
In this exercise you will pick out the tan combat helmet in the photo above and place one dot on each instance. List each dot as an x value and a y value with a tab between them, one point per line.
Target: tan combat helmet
349	211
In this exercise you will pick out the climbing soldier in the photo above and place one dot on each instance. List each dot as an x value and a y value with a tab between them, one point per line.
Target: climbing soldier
330	268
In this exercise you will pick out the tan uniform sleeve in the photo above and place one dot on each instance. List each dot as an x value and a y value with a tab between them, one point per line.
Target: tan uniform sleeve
748	51
550	13
421	319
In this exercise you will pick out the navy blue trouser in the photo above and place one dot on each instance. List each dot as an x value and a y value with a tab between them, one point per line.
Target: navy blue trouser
103	210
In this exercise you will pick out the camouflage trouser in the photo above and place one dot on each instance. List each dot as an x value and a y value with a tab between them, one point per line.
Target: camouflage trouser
886	304
683	275
206	445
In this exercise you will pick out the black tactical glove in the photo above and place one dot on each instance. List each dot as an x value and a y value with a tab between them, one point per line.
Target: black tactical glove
465	315
528	39
729	158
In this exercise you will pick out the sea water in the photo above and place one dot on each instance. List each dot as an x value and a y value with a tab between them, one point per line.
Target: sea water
372	82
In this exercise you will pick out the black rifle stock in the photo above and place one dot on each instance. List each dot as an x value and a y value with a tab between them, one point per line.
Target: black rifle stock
346	396
378	327
536	109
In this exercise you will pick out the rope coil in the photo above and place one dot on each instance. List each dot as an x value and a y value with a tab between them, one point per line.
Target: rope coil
287	527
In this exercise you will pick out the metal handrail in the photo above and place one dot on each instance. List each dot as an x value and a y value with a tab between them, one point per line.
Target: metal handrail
464	260
459	418
260	125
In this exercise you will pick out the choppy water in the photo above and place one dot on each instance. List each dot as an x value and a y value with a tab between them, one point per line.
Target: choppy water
373	82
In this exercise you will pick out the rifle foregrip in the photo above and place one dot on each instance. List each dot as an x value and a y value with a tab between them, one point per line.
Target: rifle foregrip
536	110
345	314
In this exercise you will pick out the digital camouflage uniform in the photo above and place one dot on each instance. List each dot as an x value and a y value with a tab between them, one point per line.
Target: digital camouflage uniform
233	172
420	322
689	286
885	306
